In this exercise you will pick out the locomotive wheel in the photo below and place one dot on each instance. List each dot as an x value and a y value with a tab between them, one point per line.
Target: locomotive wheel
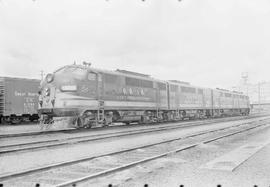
15	120
141	121
105	123
79	122
83	122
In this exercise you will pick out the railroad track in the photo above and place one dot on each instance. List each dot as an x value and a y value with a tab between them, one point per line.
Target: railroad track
36	133
84	169
14	148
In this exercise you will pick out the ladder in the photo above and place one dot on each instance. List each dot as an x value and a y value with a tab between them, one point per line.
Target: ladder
100	112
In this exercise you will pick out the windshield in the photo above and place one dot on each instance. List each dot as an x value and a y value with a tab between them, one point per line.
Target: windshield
77	72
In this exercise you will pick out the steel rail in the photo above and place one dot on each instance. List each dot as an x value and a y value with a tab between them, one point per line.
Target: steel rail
71	162
71	130
132	164
82	139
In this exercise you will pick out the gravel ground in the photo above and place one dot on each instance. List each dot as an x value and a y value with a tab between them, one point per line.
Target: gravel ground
26	160
54	176
185	167
87	132
65	135
8	129
31	127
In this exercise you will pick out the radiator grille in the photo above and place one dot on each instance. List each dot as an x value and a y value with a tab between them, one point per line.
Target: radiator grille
2	95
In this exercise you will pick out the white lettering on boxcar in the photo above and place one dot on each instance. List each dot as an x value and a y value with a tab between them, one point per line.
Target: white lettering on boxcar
19	94
32	94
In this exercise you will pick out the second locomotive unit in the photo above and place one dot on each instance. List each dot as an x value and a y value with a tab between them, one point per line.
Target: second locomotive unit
91	96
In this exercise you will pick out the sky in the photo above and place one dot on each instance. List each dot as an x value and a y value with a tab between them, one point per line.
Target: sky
208	43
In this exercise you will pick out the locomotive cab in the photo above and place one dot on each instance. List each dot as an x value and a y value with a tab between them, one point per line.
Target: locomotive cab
68	92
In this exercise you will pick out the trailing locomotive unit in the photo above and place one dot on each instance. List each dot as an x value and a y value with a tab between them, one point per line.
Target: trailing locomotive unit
90	96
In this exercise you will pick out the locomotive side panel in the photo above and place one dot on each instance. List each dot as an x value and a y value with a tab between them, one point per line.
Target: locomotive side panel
190	99
243	102
162	95
173	96
123	92
222	100
145	90
113	87
200	98
228	101
207	98
90	86
235	101
217	99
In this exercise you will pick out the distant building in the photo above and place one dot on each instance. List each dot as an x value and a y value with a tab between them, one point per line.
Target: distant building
259	94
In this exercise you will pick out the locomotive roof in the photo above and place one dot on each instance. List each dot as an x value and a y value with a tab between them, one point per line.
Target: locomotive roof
147	77
198	87
117	72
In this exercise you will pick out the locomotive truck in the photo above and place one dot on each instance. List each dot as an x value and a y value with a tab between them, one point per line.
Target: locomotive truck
18	99
91	96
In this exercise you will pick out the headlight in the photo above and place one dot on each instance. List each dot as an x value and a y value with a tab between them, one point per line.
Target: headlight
69	88
47	91
49	78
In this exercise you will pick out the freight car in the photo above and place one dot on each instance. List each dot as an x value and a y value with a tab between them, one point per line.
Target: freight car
92	96
18	99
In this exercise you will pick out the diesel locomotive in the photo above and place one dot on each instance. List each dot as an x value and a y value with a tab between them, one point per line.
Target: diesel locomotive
90	96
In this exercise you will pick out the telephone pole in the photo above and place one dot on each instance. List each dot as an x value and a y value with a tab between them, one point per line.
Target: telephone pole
259	96
42	74
245	81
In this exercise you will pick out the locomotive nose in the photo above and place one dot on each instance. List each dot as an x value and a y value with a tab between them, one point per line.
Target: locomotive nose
48	97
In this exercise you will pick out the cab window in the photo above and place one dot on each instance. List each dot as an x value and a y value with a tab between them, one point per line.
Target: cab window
91	76
76	72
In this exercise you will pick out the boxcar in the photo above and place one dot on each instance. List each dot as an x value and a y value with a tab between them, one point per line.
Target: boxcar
18	99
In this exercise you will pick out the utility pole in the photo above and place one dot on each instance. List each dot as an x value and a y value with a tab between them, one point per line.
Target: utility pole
42	74
259	96
245	81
